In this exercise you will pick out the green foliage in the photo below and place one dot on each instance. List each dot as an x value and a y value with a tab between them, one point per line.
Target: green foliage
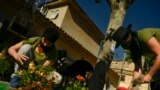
128	58
35	77
6	64
76	85
147	65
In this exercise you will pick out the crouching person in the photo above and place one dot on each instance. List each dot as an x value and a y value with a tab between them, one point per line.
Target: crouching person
41	50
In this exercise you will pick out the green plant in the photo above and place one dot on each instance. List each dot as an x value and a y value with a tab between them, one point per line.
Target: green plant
36	77
78	84
6	64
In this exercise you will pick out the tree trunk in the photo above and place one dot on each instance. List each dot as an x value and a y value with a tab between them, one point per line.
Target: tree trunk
118	11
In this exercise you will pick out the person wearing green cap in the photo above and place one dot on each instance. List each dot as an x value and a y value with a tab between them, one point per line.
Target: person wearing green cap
144	42
40	49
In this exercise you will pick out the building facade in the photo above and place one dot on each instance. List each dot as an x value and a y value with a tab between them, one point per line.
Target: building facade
67	15
125	70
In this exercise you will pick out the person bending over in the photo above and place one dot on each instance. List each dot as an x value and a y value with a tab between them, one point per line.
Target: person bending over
41	50
144	42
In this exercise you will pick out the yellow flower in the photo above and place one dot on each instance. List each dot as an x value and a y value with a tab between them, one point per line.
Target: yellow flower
31	66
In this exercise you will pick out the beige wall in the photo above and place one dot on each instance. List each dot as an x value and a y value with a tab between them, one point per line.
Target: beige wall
66	22
60	12
70	50
126	66
79	34
71	28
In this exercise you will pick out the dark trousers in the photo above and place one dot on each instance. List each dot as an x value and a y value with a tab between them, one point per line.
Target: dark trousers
155	85
98	79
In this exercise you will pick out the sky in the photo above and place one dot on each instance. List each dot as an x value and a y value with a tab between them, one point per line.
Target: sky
141	14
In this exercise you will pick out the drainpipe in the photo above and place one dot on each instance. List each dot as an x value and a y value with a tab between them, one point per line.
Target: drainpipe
121	70
100	47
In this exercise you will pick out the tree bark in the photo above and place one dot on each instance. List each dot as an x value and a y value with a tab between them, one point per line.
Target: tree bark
118	11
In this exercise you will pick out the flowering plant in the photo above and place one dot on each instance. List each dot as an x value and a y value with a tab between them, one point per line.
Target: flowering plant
38	77
78	84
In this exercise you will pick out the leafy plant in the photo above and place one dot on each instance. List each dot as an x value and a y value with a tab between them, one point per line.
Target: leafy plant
78	84
6	64
36	77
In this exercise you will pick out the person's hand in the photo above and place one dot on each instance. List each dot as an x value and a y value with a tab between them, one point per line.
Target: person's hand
20	58
147	78
135	82
47	63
